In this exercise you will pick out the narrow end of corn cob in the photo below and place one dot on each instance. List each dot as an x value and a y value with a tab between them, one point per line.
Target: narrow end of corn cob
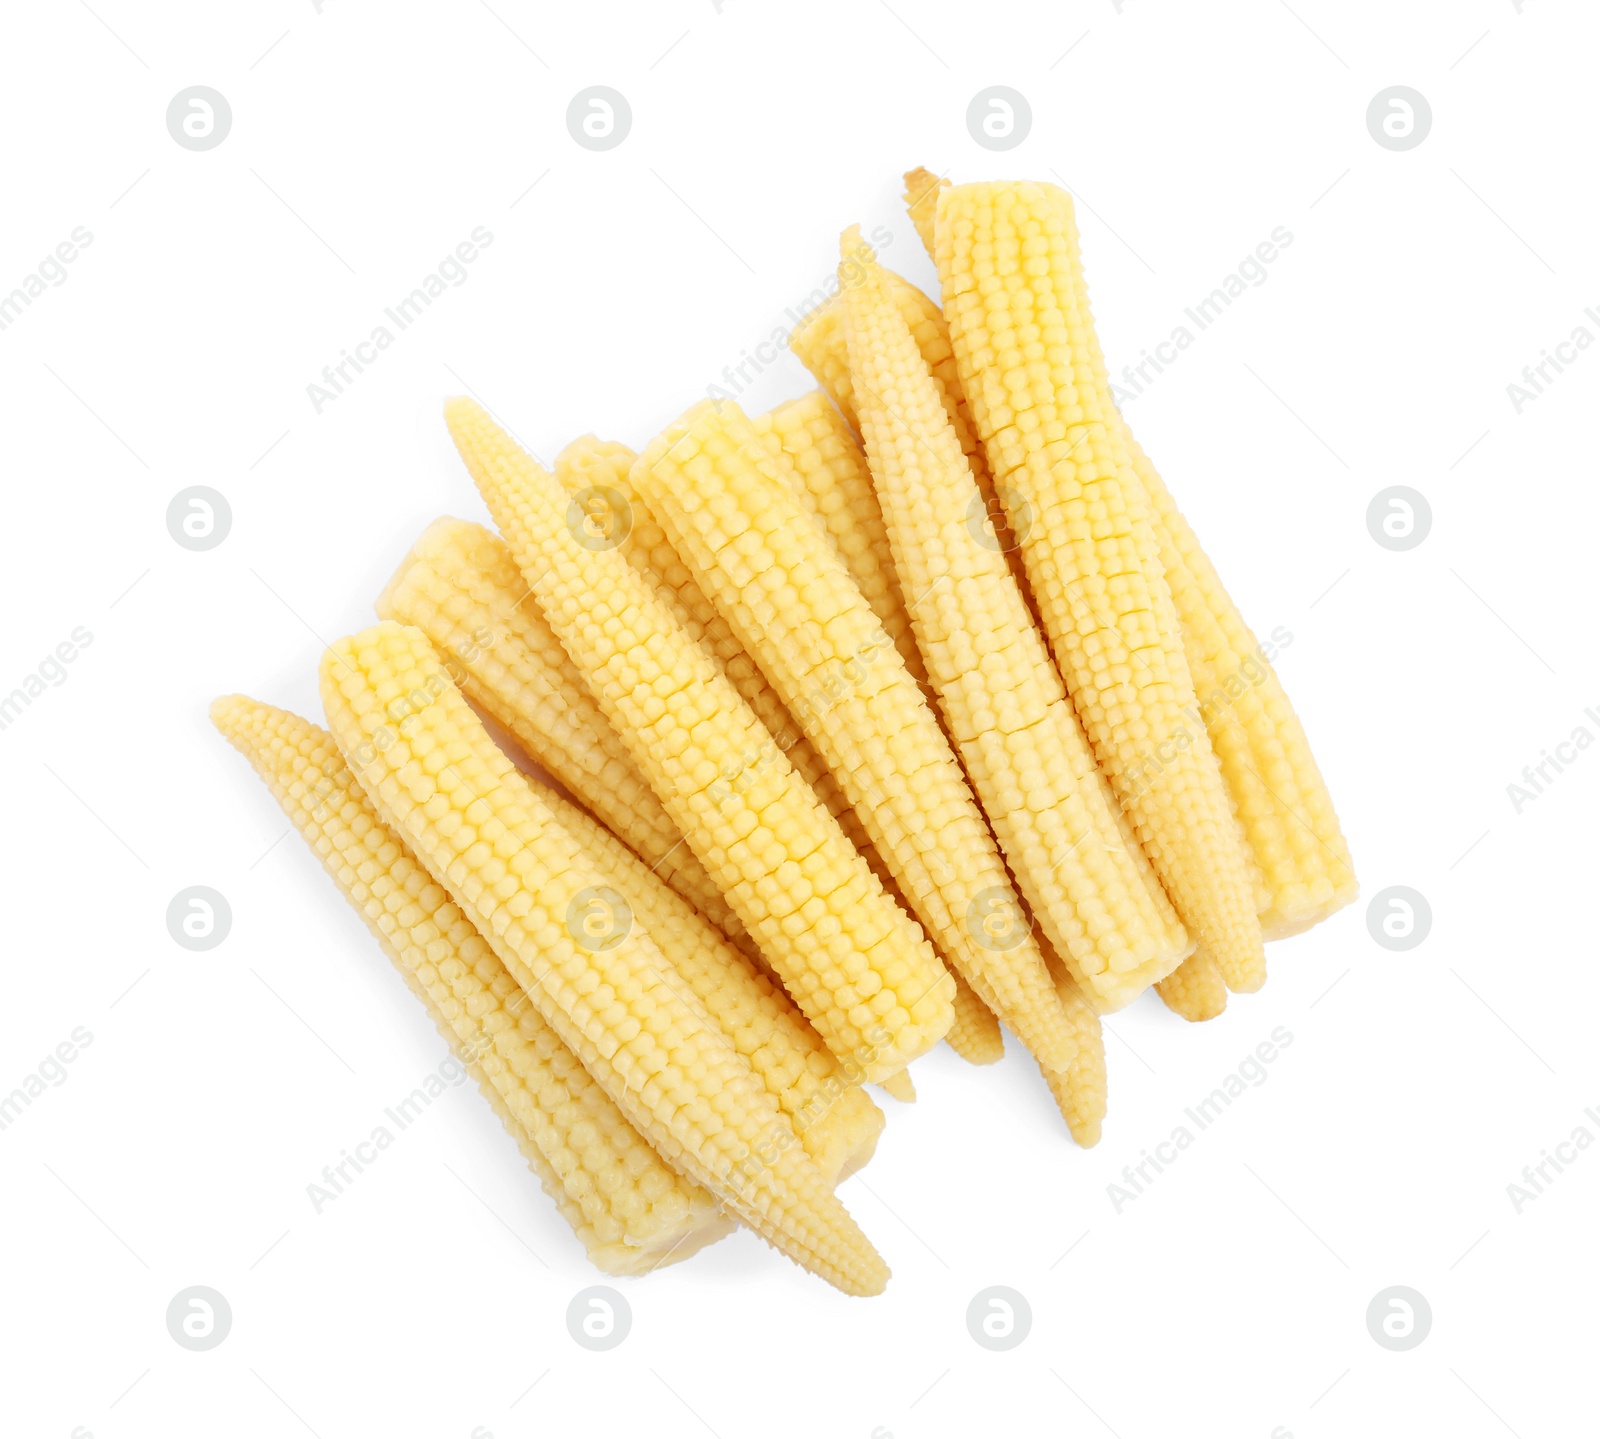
975	1034
1080	1089
922	202
1194	990
899	1086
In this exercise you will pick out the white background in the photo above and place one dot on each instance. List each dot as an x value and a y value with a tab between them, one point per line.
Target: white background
366	142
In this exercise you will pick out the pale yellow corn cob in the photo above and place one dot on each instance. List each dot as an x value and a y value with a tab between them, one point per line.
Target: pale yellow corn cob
830	471
611	514
433	773
1277	790
856	964
1003	701
768	565
922	202
461	587
1194	990
1080	1089
820	345
1049	433
628	1208
975	1034
832	1115
1289	824
899	1086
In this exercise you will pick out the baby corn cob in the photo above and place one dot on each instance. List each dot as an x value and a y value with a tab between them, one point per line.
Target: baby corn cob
1091	555
899	1086
820	344
975	1034
1002	698
432	772
833	481
833	1116
1194	990
1080	1089
1277	790
612	515
856	964
770	569
461	587
627	1207
922	202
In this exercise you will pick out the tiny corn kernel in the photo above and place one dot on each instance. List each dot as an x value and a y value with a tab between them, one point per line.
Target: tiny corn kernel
628	1208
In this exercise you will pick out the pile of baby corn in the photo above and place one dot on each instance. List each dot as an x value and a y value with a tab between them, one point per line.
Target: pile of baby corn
910	707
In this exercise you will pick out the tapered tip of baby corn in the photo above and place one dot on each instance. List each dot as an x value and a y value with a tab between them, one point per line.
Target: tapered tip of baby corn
438	536
1194	990
899	1086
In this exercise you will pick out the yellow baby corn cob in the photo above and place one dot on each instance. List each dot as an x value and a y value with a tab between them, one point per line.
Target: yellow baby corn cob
1002	698
975	1034
820	345
629	1209
1092	558
899	1086
856	964
922	202
1194	990
1289	824
769	567
1080	1089
1277	790
461	587
433	773
611	514
826	462
833	1116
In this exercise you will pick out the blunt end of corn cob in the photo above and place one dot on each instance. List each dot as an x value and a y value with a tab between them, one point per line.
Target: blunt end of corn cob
437	536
